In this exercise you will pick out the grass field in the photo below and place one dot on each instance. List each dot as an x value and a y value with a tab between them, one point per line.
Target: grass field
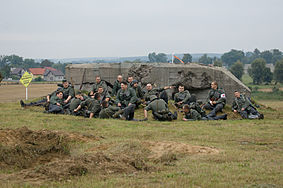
232	153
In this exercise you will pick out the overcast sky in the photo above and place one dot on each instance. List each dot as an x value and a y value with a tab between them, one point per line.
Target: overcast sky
107	28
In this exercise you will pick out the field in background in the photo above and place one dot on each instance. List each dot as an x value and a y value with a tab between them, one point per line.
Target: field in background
13	93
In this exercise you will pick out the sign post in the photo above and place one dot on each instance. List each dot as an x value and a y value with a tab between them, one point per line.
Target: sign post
25	80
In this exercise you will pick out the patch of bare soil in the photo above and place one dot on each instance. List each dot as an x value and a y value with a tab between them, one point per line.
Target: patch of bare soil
161	149
41	156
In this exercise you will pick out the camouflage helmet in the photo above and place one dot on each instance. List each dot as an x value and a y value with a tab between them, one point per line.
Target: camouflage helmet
152	97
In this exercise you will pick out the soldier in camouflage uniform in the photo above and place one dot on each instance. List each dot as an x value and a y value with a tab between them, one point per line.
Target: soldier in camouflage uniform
139	92
104	94
216	99
192	114
91	106
183	97
159	92
68	91
115	112
56	103
125	96
159	110
117	85
79	98
130	81
243	106
98	83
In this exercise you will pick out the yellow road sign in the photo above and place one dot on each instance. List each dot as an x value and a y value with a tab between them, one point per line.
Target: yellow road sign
26	79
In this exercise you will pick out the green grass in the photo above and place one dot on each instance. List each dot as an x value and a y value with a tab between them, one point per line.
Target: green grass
251	152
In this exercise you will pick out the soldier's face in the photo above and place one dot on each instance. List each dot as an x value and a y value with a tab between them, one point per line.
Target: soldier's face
148	87
181	89
120	78
136	85
60	95
237	94
98	79
130	79
185	110
100	90
124	86
65	84
213	86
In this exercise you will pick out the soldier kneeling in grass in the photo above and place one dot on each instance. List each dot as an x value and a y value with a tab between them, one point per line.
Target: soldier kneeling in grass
191	113
244	107
159	110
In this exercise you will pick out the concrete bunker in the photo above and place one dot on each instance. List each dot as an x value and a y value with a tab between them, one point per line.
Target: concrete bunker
195	77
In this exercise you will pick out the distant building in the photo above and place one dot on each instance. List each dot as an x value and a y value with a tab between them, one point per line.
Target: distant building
247	66
53	75
37	72
17	72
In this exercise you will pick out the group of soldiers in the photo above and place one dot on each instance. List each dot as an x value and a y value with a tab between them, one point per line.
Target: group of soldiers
126	96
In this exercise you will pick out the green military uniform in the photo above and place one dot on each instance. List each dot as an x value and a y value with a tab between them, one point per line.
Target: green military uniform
154	91
105	95
91	106
183	97
116	88
160	110
241	102
217	95
69	91
53	107
249	111
139	92
95	86
126	96
192	115
108	112
74	104
54	100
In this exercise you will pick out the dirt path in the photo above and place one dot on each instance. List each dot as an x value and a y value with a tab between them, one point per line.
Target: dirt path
13	93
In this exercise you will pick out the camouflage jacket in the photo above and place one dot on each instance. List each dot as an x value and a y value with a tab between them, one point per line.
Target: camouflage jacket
182	96
95	86
116	88
108	112
241	102
92	106
69	91
54	100
139	92
126	96
157	105
217	95
154	91
192	115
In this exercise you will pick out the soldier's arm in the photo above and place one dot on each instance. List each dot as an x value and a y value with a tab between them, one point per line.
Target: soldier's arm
222	98
247	103
114	89
188	96
134	96
234	106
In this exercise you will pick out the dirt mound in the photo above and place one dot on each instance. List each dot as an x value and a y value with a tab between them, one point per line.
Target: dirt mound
43	155
159	150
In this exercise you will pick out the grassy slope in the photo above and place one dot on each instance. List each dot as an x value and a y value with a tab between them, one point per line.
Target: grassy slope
251	151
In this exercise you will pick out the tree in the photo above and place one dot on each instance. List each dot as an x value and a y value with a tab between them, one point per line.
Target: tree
217	63
187	58
46	63
267	56
267	75
278	71
237	69
233	56
257	70
160	58
276	56
205	59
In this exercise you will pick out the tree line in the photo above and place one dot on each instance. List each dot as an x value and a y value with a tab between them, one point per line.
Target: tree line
234	60
14	61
